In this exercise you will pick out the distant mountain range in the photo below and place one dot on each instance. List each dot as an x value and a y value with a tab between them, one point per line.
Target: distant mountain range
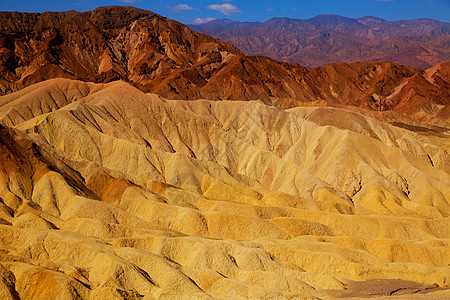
329	38
165	57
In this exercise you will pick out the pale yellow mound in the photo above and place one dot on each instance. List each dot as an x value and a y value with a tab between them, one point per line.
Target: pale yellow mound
106	192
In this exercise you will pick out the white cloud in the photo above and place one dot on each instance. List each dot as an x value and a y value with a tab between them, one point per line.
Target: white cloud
226	8
127	1
183	7
203	20
270	9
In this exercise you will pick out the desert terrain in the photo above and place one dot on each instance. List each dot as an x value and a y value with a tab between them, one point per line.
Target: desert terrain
129	187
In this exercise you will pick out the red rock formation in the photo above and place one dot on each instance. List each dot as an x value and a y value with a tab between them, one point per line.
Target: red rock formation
162	56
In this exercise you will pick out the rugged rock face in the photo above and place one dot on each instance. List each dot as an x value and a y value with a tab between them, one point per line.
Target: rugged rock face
165	57
323	39
106	44
109	192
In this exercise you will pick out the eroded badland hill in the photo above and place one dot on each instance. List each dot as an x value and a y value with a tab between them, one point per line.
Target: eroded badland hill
312	183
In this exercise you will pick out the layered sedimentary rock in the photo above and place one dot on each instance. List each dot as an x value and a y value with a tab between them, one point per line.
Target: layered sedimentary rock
109	192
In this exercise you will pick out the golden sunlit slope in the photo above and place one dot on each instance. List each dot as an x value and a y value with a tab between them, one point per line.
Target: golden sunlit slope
107	192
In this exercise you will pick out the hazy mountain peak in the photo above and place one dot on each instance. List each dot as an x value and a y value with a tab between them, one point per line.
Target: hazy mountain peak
329	19
372	19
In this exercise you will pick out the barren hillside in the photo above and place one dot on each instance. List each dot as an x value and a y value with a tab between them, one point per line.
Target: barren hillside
110	192
165	57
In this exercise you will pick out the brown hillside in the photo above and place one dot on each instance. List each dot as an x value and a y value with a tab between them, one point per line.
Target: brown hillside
162	56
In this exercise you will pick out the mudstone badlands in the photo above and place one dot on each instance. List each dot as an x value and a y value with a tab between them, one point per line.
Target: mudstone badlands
141	159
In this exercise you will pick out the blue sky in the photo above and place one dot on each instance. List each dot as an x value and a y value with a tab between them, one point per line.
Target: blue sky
195	11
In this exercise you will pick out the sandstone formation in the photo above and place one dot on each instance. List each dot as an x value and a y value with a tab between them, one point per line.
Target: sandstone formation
323	39
107	192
